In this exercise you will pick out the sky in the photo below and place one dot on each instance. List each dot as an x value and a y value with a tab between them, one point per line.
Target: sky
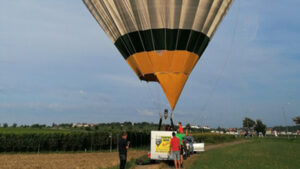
57	65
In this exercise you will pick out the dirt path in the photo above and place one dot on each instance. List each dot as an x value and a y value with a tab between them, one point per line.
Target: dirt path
190	160
63	161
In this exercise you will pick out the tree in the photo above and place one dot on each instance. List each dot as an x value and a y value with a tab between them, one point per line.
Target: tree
221	129
188	126
248	123
14	125
127	123
297	120
88	128
38	126
5	125
260	127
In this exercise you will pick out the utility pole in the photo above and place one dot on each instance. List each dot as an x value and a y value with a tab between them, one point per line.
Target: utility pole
110	136
117	142
284	116
247	120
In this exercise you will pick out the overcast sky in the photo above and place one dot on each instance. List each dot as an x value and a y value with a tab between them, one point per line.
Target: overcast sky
57	65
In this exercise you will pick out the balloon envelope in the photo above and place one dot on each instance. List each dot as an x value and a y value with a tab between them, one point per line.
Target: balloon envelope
161	40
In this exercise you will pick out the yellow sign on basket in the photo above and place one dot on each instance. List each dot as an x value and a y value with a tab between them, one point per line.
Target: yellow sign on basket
163	144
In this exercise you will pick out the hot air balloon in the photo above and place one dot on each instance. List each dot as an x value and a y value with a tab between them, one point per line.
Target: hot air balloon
161	40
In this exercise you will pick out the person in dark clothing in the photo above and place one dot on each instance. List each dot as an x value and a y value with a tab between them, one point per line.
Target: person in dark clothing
168	127
160	122
123	147
171	121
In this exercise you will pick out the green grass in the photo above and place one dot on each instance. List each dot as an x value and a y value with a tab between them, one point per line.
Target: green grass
267	153
213	138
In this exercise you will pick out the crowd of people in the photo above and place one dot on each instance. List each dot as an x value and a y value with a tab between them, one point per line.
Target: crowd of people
177	145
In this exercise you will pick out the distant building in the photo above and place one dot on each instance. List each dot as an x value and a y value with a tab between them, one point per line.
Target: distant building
206	127
231	132
282	133
195	127
269	131
83	125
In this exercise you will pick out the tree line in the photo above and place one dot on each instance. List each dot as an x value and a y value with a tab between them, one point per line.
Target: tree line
259	126
68	141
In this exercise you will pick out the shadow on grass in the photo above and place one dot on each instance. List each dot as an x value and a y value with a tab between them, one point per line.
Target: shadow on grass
129	165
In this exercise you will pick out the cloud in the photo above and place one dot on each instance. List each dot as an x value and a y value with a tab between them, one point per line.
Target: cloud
53	106
83	94
121	80
145	112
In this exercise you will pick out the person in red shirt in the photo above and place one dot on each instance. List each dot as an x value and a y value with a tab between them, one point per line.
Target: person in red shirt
180	129
180	135
175	148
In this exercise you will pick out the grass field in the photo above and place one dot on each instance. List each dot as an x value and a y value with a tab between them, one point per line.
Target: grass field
267	153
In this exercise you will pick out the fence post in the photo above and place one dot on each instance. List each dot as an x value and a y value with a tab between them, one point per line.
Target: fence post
141	139
117	142
110	136
91	142
39	148
136	140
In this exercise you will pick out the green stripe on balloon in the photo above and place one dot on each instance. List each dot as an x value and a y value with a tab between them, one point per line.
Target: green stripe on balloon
162	39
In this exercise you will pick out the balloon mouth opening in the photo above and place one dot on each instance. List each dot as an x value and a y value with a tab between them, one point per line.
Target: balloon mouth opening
149	77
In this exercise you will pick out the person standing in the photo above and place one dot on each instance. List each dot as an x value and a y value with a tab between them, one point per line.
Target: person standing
123	147
174	149
180	136
189	149
180	129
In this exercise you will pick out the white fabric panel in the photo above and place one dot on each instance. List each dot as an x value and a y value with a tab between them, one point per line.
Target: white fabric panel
203	9
173	10
107	15
221	14
188	13
119	17
106	26
141	14
114	13
125	12
211	15
156	9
